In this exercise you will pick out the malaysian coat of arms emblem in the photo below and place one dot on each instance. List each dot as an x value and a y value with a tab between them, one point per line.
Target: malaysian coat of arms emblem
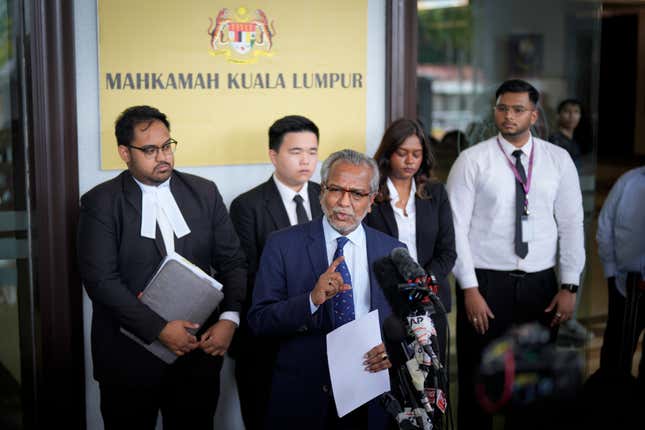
241	36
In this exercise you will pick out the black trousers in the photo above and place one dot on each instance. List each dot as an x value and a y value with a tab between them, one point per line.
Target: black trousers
355	420
614	341
513	300
254	362
186	396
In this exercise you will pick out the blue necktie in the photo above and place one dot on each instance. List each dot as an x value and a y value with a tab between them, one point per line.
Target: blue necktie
343	301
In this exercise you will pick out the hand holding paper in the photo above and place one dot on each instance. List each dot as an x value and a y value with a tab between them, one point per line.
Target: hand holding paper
377	359
352	383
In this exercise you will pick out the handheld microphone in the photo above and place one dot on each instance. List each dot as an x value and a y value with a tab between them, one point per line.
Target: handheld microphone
426	335
418	281
389	279
406	266
406	366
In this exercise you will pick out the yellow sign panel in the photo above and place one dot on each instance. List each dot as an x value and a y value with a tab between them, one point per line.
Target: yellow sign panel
224	71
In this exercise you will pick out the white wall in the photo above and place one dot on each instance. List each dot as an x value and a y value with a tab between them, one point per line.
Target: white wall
231	180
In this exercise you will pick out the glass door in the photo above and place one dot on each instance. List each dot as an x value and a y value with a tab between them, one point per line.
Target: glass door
15	281
466	49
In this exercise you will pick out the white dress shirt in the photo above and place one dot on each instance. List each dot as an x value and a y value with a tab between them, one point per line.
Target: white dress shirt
355	252
621	228
287	195
481	189
405	224
158	206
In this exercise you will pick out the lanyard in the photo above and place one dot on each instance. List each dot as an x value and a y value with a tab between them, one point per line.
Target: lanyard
525	185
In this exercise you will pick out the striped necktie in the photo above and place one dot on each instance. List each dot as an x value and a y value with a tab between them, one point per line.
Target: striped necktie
343	301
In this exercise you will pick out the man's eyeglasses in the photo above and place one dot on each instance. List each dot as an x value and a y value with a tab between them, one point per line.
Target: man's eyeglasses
151	151
517	110
338	193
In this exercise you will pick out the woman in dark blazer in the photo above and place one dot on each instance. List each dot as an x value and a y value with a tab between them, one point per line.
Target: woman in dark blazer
414	208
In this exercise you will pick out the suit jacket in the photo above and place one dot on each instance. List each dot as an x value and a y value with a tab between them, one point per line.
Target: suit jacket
292	261
256	214
435	237
259	212
116	263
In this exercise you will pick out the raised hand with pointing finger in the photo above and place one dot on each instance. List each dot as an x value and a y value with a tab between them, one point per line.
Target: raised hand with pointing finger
329	284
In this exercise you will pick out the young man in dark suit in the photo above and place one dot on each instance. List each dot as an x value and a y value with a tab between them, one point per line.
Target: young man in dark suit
127	226
287	198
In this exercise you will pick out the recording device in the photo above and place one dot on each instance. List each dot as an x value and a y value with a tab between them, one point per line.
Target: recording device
415	415
407	287
410	334
522	370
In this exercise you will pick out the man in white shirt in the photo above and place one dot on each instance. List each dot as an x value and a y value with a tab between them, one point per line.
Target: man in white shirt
287	198
621	248
517	210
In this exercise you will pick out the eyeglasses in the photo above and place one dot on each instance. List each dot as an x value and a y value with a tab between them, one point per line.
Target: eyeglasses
517	110
338	193
151	151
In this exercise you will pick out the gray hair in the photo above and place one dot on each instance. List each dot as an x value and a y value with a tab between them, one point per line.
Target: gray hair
352	157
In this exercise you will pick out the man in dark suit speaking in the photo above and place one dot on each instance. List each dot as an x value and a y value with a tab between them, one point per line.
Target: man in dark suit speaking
127	226
287	198
316	277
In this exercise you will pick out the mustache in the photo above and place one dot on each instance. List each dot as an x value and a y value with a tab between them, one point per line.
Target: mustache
349	212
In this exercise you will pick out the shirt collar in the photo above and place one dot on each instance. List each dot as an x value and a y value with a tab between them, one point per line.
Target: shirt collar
394	194
152	188
509	148
288	194
356	237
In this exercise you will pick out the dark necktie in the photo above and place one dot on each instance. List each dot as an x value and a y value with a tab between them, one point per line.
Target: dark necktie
521	248
301	213
343	301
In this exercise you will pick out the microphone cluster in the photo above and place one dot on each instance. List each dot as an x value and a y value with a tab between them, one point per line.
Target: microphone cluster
420	399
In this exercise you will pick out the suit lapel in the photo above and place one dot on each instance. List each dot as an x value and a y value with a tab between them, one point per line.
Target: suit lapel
131	191
388	215
181	193
377	299
317	251
133	196
314	200
370	262
273	202
423	213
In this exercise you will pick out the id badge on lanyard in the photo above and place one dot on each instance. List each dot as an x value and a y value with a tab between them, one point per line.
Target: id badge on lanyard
527	223
527	228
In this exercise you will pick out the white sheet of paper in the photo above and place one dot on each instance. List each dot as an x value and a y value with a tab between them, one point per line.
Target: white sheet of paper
352	385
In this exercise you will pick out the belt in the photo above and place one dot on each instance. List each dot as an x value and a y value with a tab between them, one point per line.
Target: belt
517	273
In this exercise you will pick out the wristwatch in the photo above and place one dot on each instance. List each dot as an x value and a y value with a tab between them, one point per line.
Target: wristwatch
572	288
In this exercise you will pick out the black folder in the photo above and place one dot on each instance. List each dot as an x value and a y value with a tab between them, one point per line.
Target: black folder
179	290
